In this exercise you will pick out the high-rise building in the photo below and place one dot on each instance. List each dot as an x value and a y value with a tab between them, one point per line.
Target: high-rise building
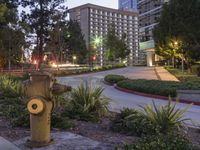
95	22
130	5
149	13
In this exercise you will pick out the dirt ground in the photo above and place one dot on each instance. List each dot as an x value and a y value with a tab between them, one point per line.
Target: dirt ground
97	131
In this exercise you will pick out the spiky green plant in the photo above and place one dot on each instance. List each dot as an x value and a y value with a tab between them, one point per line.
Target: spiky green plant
9	86
167	118
87	103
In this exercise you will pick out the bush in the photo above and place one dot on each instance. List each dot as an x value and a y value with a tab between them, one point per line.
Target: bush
166	118
58	121
10	86
114	78
150	120
156	87
195	69
163	88
170	141
13	107
87	103
130	121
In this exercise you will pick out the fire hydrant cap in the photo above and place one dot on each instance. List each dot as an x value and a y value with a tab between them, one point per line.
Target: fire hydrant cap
35	106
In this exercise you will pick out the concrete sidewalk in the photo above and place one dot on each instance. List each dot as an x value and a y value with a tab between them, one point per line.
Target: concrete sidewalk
6	145
164	75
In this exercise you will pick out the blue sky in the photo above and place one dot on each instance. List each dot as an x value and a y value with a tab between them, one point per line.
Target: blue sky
106	3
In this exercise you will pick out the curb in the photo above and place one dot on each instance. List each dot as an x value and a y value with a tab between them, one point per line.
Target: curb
155	96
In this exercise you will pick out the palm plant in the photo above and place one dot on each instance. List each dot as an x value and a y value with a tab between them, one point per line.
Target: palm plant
87	103
166	118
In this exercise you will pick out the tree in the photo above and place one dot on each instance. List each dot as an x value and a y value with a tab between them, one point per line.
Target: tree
116	47
40	20
55	44
12	38
75	41
180	20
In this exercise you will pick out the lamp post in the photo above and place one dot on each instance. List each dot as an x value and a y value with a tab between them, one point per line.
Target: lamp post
74	59
182	61
97	42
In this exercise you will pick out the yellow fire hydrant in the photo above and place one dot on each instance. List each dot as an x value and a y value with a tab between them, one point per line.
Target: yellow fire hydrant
39	90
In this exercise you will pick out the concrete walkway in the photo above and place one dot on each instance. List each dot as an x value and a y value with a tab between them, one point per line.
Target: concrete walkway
6	145
164	75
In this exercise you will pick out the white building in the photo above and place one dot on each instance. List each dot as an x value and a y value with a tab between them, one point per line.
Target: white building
95	22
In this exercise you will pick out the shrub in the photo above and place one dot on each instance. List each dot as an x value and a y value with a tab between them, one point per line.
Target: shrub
150	120
166	118
195	69
87	103
130	121
58	121
13	107
163	88
114	78
9	86
170	141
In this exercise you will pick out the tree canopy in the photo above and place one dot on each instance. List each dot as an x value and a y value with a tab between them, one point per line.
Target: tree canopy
12	38
40	20
116	47
179	22
75	41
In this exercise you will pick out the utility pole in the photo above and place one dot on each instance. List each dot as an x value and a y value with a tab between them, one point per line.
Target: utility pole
9	48
182	61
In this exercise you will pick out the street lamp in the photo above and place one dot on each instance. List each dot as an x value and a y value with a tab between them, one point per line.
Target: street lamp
182	61
74	58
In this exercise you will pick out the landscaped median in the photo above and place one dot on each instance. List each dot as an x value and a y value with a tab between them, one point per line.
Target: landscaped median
153	88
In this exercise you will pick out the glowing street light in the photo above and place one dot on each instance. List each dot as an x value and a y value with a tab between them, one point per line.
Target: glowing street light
74	58
97	41
176	43
182	61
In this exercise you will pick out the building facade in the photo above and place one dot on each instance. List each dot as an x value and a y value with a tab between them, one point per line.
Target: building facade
149	13
95	22
130	5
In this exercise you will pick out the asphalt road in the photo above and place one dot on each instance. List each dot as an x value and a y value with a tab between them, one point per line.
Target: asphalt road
120	100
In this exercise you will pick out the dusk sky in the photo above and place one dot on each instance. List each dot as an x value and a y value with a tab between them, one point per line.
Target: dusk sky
106	3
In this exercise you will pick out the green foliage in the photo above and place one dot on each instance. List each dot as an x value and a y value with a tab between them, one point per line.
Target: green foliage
163	88
74	38
167	118
13	106
131	122
113	78
87	103
183	76
156	87
150	120
195	69
170	141
179	21
9	86
116	47
58	121
11	38
41	21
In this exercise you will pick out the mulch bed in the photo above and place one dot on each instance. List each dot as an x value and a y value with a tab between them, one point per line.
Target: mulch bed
97	131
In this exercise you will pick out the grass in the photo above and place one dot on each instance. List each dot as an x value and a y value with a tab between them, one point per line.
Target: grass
182	76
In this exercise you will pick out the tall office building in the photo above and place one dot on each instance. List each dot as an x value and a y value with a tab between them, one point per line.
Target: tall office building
149	13
95	22
130	5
